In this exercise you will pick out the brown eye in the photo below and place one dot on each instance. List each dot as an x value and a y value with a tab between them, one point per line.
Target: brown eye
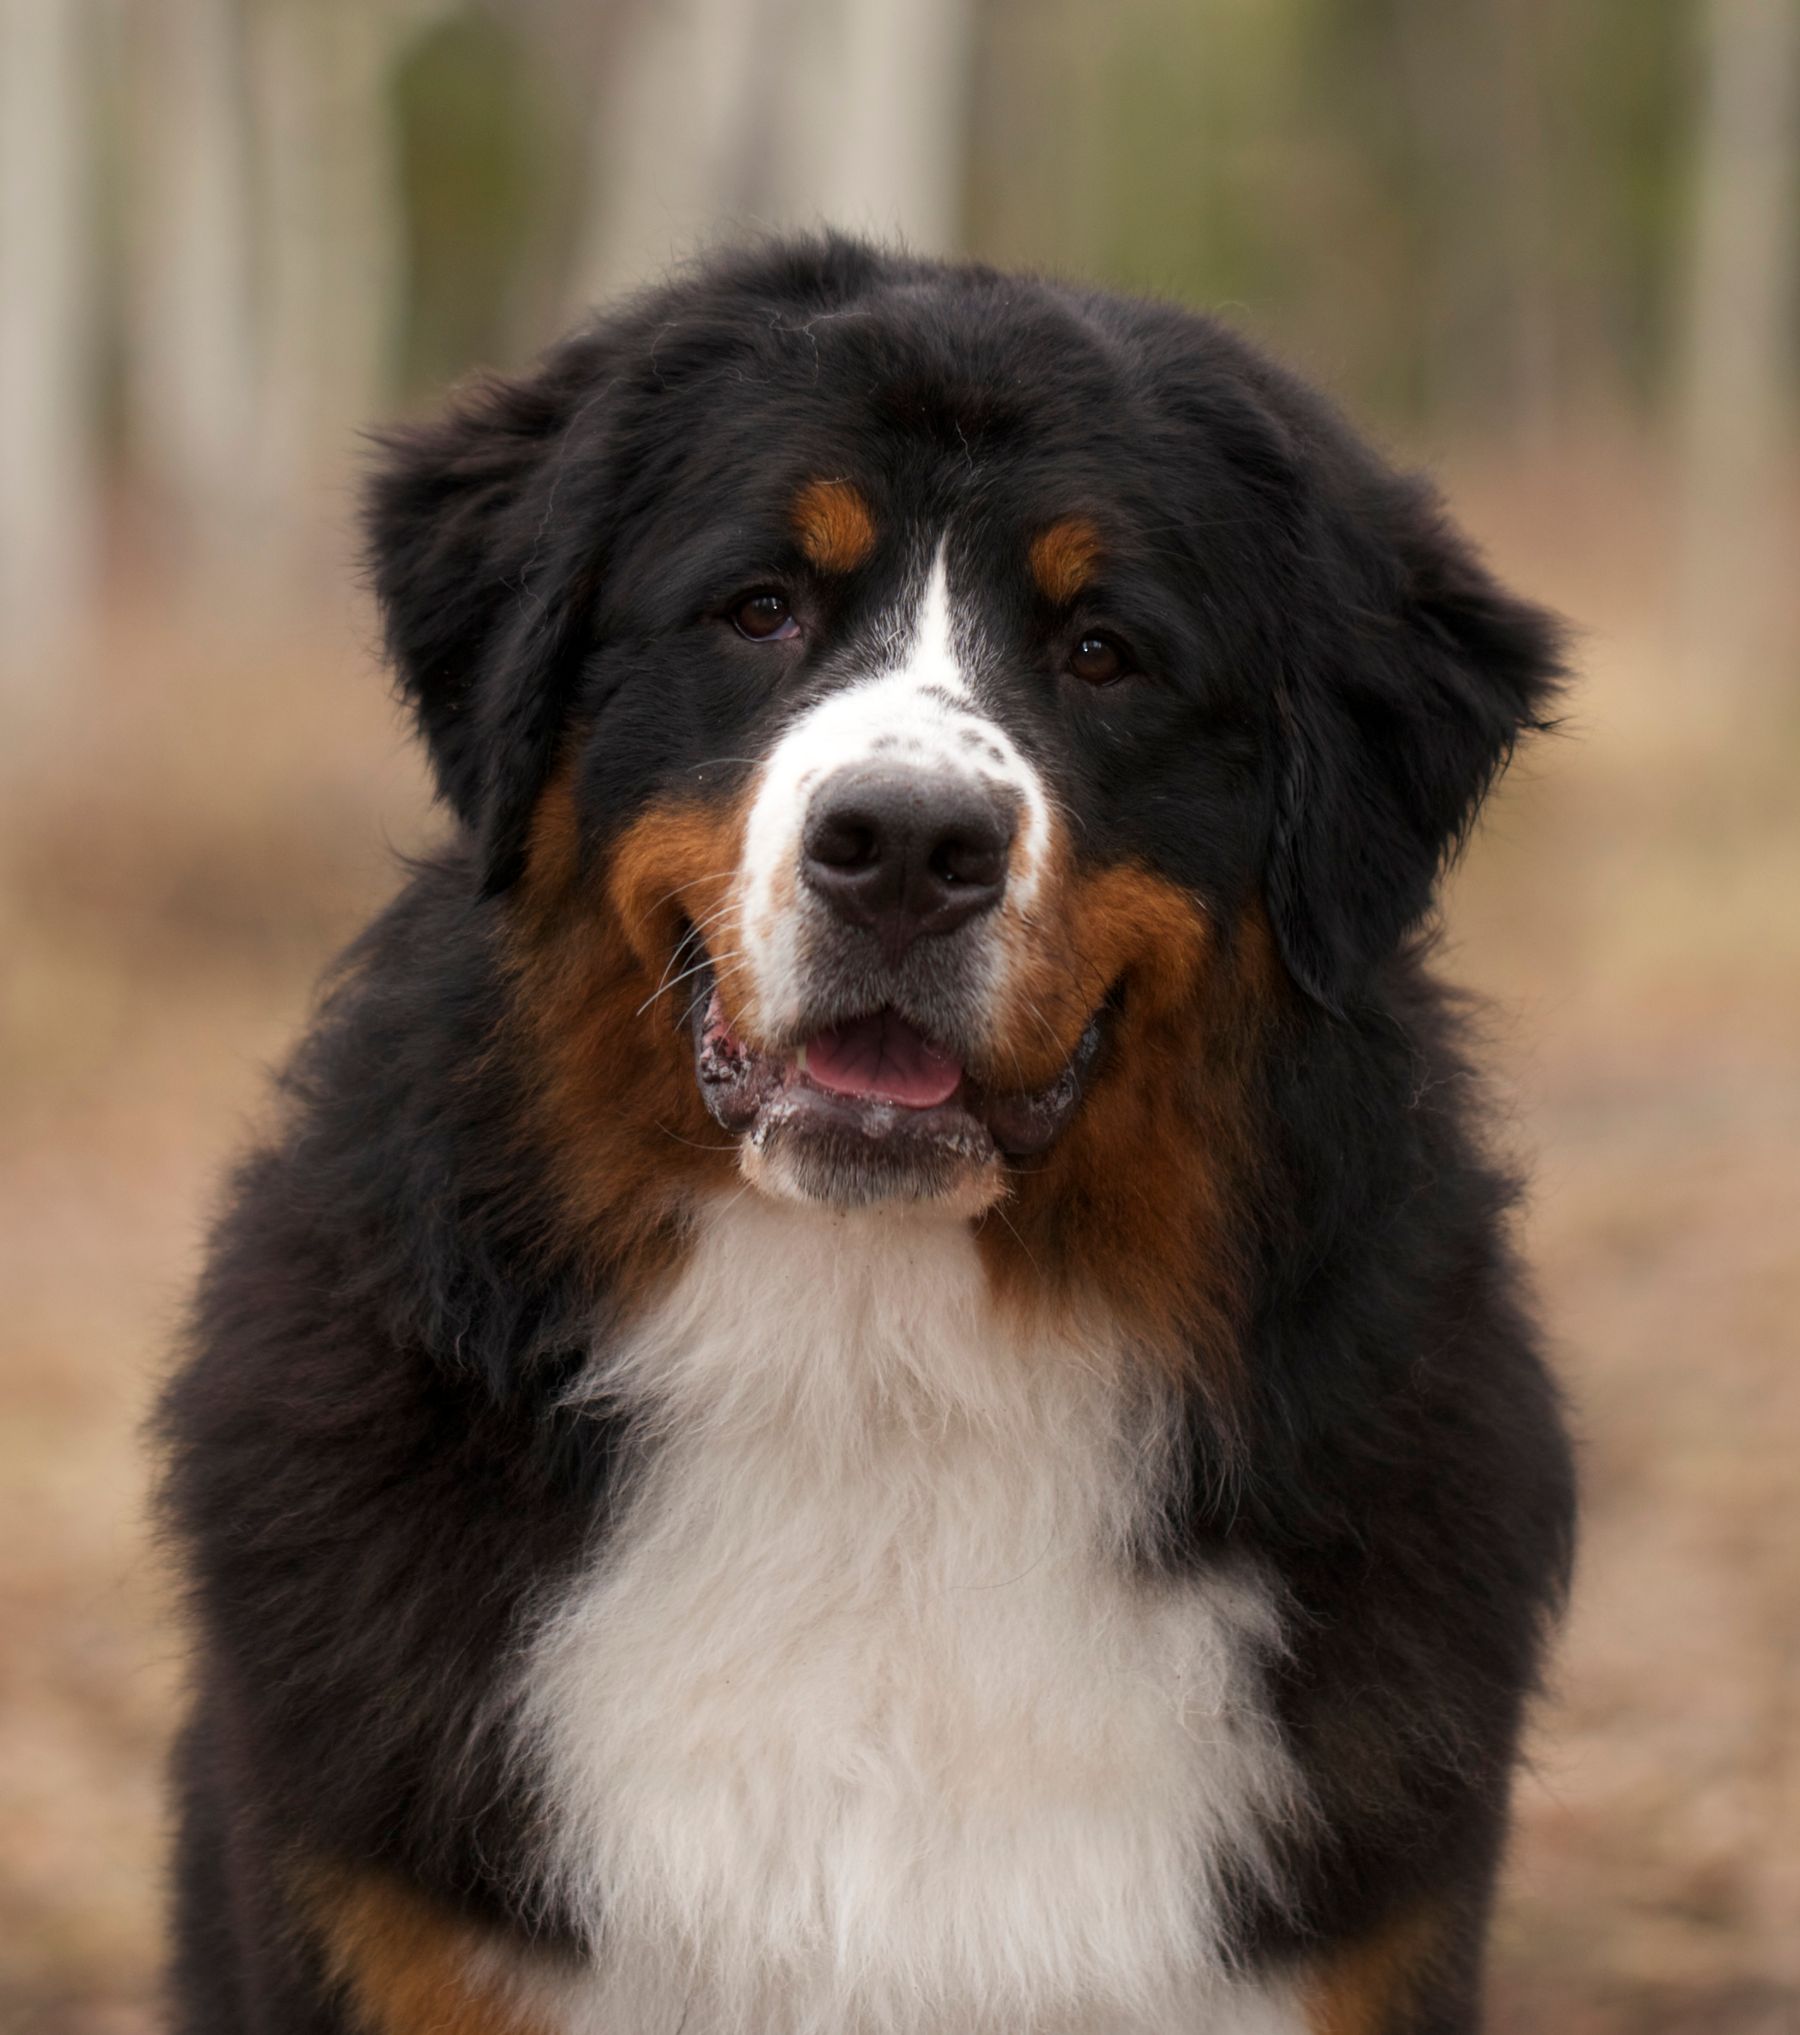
1097	660
765	618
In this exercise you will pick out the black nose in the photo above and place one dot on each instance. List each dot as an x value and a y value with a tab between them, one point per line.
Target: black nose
906	854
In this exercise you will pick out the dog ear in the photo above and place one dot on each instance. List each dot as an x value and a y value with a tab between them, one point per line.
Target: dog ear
485	557
1400	706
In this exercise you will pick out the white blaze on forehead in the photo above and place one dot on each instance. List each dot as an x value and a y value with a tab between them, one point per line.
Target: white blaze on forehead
920	716
933	660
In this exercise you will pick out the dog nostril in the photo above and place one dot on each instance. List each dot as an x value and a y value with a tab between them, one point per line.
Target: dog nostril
969	859
841	841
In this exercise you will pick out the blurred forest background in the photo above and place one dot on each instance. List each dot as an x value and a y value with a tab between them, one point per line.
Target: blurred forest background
1548	247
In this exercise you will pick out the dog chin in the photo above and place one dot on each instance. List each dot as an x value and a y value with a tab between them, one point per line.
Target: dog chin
943	1158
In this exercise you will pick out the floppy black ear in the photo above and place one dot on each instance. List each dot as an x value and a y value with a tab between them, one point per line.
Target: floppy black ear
1403	700
484	551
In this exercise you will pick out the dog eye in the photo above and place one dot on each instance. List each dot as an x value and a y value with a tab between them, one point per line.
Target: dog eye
765	618
1098	660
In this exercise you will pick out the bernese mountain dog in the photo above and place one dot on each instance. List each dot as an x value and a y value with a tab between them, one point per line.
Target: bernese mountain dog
875	1382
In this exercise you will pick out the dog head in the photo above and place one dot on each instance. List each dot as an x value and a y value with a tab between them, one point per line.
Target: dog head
915	723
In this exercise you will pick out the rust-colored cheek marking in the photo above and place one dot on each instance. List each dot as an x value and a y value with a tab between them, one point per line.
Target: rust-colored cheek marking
1140	1203
407	1967
835	524
597	1005
1372	1987
1064	557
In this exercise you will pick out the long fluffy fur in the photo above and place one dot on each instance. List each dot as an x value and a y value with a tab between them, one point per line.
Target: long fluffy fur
864	1696
623	1600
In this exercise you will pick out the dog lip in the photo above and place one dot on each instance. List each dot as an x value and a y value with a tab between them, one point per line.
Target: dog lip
1025	1122
736	1082
877	1072
928	1093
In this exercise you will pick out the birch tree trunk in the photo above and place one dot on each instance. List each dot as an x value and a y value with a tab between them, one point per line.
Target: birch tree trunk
1740	339
895	131
191	337
721	116
672	145
333	284
49	507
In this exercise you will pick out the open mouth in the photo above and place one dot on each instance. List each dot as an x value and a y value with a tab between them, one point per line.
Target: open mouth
869	1108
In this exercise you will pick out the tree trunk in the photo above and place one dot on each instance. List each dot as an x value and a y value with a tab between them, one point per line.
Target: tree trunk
49	507
721	116
899	123
1740	339
191	335
333	286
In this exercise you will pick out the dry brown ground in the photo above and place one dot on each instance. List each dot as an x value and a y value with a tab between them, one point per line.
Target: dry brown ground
202	825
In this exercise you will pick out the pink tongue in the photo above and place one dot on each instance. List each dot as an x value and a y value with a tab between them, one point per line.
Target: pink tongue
882	1057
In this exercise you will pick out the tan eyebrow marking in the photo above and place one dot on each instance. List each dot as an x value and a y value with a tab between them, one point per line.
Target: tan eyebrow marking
1063	557
836	525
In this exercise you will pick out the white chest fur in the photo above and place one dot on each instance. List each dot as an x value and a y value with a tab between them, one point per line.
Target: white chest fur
861	1721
